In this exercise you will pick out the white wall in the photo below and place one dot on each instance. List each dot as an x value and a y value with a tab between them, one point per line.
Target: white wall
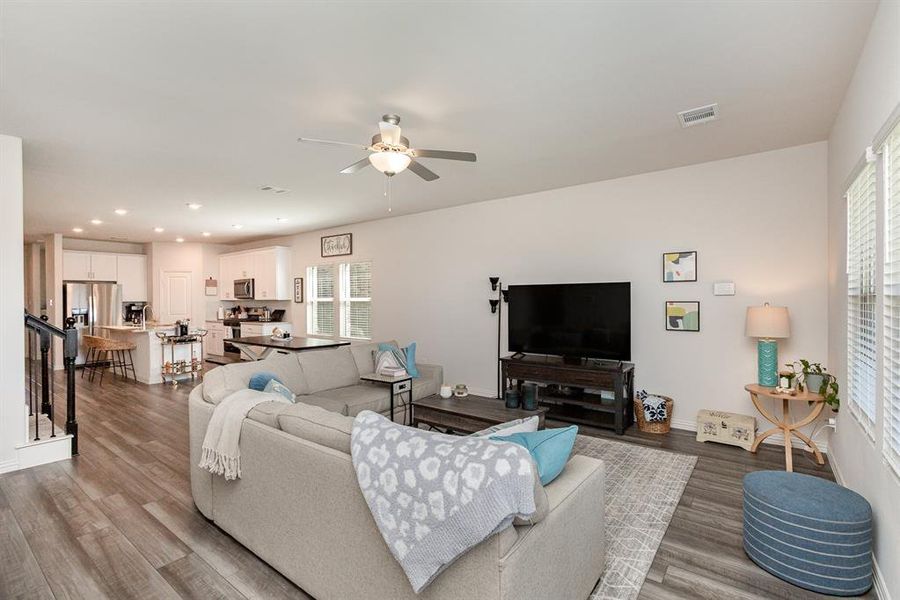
12	298
873	93
757	220
200	259
104	246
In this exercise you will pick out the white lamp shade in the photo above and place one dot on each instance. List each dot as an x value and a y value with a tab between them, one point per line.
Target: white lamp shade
389	162
768	322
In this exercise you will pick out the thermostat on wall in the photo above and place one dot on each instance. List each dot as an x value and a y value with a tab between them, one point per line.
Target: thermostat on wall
723	288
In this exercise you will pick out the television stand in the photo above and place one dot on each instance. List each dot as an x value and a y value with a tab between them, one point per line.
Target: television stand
588	406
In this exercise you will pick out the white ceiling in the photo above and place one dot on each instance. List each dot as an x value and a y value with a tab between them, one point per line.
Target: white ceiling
147	106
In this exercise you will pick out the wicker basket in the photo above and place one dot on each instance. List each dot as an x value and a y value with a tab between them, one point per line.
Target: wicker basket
658	427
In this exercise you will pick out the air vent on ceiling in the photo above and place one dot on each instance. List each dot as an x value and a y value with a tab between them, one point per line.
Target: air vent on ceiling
273	189
118	238
695	116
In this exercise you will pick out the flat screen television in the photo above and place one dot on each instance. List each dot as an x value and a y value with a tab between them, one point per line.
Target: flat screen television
573	320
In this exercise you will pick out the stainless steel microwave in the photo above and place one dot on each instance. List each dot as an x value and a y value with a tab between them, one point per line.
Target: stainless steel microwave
243	289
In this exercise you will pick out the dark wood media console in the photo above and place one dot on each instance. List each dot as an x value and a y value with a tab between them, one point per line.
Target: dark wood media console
575	395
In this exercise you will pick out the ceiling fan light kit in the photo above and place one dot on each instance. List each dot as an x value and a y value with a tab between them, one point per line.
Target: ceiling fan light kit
389	162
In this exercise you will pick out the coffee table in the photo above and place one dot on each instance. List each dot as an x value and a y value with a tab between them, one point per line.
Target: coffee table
468	414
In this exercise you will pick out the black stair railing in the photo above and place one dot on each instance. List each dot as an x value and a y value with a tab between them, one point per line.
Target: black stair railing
41	352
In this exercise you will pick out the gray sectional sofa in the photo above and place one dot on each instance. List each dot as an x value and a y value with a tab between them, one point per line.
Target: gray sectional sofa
298	505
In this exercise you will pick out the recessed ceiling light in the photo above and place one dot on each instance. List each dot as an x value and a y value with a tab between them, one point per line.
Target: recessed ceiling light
194	206
179	240
121	211
206	234
96	222
237	226
77	229
158	229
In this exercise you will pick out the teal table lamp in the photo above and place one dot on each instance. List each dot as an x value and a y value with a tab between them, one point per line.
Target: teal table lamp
767	324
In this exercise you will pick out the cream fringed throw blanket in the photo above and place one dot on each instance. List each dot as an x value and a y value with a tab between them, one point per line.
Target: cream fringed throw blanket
434	496
221	452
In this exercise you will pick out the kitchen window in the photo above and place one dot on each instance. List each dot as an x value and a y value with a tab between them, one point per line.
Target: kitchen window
861	298
340	294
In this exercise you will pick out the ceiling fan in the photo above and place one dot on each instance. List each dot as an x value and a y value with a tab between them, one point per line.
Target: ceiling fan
391	152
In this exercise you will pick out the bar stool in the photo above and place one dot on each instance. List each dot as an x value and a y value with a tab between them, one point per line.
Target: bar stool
105	353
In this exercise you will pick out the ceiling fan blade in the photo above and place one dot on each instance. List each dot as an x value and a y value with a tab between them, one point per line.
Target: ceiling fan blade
422	171
447	154
315	141
390	133
357	166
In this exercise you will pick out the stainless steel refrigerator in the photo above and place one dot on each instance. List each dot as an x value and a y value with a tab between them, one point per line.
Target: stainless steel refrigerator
92	305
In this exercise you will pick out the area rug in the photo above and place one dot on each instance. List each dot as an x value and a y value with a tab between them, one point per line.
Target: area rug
643	487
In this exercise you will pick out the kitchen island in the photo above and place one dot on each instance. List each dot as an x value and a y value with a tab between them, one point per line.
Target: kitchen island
148	350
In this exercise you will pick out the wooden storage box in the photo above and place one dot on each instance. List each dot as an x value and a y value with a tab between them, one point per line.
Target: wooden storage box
726	428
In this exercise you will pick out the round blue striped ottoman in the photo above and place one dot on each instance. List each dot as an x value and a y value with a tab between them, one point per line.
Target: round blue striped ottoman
808	531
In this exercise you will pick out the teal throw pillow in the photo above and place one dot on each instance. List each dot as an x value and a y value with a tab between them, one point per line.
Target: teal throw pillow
405	356
550	448
259	381
276	387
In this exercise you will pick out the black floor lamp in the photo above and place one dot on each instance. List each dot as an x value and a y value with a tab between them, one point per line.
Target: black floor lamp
497	307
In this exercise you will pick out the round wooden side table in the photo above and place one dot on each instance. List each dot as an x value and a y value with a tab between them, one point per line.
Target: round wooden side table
783	424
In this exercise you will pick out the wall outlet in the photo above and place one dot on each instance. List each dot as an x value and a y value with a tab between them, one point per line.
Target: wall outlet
723	288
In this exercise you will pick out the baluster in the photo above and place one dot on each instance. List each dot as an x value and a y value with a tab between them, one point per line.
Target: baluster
70	351
34	397
52	389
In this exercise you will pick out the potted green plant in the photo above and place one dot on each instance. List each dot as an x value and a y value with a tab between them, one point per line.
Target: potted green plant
817	379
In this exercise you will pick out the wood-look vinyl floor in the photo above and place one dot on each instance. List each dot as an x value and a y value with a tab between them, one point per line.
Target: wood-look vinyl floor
118	521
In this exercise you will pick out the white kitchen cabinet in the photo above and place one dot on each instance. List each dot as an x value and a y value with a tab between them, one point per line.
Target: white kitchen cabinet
270	268
132	275
104	267
215	338
89	266
226	277
242	265
271	272
76	266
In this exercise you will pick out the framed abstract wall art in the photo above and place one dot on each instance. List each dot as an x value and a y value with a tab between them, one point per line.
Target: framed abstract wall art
680	266
682	315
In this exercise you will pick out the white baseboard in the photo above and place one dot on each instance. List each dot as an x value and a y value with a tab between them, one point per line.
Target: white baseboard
881	589
9	465
40	453
776	439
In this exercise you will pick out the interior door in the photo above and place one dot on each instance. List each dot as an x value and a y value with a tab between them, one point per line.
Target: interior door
175	296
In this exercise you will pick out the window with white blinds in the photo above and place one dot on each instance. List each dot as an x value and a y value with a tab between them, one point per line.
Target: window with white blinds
891	161
320	300
861	297
356	300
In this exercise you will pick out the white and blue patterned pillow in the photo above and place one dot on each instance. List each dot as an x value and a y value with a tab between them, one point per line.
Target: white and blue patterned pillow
654	407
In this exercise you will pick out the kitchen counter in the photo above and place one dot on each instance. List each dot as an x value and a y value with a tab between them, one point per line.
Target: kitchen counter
147	353
132	329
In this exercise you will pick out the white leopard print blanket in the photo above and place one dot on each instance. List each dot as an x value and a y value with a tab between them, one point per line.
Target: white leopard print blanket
435	496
